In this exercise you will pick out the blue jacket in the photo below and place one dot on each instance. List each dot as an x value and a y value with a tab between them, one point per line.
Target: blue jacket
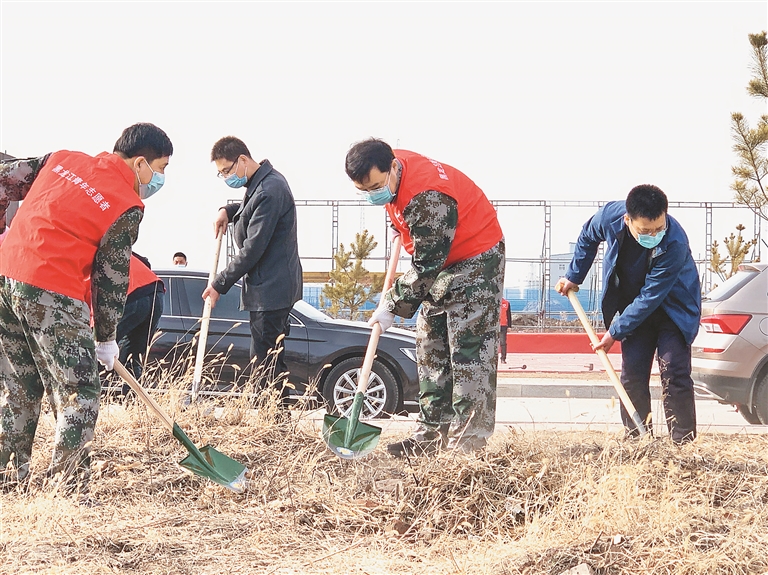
672	281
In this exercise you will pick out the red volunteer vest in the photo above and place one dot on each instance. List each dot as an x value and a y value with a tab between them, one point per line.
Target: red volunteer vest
478	228
139	275
55	234
504	309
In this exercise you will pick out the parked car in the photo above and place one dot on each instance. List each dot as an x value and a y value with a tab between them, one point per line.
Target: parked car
730	353
318	348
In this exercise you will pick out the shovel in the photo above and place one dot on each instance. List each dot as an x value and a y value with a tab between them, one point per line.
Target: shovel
206	461
204	323
607	363
347	437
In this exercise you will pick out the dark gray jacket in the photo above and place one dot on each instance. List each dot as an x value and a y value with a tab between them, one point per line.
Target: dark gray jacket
265	231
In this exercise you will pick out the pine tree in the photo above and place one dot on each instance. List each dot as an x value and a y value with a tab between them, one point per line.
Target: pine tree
750	144
737	250
351	286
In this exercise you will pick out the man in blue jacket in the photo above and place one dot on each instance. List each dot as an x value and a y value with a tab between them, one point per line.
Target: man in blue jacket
651	301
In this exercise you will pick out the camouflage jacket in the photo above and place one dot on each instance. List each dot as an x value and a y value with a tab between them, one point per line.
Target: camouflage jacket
432	218
109	276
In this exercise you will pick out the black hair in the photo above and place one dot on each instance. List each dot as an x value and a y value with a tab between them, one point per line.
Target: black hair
180	255
366	155
143	140
229	148
646	201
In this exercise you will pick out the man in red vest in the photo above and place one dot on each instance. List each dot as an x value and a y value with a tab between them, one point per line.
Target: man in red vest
143	308
79	219
504	321
452	232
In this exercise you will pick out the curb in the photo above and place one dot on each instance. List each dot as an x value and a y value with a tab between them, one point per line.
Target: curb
561	390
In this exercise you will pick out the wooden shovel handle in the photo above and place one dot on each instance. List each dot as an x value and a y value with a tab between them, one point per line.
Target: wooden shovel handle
605	360
151	403
204	323
373	342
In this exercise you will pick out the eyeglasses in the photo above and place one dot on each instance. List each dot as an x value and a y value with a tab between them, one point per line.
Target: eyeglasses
646	232
366	193
225	173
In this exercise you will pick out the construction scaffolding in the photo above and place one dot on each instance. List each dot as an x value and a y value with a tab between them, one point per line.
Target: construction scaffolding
530	277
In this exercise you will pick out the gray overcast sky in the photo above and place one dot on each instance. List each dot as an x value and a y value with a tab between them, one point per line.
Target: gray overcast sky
532	100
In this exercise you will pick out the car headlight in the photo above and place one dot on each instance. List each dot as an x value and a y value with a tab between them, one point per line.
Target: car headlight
409	352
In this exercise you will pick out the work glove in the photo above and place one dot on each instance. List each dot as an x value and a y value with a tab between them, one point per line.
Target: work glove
106	353
383	317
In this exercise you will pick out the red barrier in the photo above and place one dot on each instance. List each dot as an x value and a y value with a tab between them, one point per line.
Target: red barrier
552	343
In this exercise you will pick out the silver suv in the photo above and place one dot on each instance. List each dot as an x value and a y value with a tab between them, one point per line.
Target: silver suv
730	353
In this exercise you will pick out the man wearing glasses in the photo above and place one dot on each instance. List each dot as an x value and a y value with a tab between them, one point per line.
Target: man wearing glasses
268	257
651	301
457	273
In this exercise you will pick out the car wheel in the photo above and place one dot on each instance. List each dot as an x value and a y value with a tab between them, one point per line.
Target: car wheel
761	399
751	418
381	398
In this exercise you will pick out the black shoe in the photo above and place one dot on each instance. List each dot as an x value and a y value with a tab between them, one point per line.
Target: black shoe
678	439
413	448
467	445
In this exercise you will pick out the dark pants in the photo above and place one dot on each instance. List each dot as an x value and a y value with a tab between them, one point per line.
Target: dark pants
266	326
136	329
658	332
503	341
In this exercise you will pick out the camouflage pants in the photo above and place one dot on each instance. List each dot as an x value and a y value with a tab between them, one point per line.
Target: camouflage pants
46	345
457	336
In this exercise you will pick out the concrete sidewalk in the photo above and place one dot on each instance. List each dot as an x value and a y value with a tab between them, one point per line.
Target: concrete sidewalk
552	375
560	363
558	387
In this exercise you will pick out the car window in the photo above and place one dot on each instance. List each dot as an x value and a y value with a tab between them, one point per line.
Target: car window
228	306
171	304
309	311
731	285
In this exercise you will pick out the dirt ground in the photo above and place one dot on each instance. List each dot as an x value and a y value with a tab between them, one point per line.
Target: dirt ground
531	503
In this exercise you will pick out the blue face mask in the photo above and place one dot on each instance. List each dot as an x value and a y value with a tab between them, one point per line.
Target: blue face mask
648	241
235	181
380	196
154	185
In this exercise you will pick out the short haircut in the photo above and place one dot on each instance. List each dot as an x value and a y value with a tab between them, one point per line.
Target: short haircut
180	255
143	140
229	148
646	201
366	155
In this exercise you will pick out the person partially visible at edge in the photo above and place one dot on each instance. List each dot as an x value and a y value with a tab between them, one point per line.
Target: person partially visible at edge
268	257
180	259
651	301
143	308
457	271
79	218
504	321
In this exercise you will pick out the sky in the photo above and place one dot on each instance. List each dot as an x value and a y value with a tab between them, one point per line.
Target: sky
532	100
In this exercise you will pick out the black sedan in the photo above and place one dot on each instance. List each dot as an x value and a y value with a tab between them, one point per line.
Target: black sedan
318	349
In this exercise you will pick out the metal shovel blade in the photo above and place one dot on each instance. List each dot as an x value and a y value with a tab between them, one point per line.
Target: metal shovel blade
349	438
212	464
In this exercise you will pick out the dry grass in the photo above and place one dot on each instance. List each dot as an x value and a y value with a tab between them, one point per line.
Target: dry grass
533	503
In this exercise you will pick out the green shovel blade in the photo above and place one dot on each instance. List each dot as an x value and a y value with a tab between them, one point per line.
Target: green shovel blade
212	464
348	438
